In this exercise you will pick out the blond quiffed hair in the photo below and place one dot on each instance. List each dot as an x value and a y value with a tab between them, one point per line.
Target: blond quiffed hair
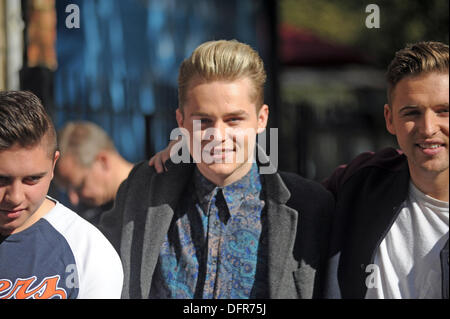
227	60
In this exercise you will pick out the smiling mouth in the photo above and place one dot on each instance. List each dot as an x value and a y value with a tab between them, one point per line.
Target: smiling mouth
430	146
430	149
12	213
221	151
10	210
218	156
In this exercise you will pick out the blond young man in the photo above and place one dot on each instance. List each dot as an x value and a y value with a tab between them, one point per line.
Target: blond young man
214	226
390	236
46	250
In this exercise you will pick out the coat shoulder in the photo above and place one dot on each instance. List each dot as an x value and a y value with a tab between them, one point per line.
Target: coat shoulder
141	170
308	196
300	185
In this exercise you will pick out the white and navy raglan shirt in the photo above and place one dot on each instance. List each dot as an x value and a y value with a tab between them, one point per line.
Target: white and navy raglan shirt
61	256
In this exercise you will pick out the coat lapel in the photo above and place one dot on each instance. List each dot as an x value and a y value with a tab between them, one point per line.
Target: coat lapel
165	190
282	230
156	226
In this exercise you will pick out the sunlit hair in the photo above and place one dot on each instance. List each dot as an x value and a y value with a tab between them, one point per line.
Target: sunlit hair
83	140
223	60
24	122
416	59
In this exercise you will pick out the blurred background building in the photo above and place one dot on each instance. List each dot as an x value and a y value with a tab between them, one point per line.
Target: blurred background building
119	67
331	77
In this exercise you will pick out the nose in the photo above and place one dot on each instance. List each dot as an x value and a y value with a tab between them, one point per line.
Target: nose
218	131
429	123
14	194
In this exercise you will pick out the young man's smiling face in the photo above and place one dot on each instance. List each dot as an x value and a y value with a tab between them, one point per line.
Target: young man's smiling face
418	117
225	128
25	176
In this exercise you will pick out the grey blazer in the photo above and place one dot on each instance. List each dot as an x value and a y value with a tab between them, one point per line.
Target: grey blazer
298	215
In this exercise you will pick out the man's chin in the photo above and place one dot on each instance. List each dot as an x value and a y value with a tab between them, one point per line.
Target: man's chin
432	166
223	170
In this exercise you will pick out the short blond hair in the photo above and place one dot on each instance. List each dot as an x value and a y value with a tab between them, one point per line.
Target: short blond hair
83	140
227	60
415	59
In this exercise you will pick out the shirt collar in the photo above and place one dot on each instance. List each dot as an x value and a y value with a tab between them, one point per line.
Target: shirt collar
234	194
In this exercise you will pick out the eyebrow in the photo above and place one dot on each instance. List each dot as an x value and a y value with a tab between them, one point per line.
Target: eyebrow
237	113
409	107
30	175
412	107
38	174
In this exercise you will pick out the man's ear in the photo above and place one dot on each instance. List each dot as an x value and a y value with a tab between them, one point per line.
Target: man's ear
103	158
388	117
180	117
55	159
263	116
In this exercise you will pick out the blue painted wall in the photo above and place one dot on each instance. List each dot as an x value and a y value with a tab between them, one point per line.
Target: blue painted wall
119	69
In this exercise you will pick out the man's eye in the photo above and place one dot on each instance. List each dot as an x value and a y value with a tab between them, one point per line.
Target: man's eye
234	120
205	120
4	181
411	113
33	179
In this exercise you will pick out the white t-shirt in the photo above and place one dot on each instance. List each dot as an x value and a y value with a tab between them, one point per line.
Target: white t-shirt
60	256
408	260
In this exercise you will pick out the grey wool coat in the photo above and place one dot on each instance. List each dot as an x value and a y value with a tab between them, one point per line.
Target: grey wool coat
298	211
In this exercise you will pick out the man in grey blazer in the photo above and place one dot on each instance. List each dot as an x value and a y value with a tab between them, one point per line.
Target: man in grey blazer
214	224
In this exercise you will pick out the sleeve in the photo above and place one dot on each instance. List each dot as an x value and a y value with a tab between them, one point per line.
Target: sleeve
111	221
316	207
328	209
100	269
341	174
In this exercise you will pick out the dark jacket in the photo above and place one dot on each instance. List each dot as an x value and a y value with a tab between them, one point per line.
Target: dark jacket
298	218
368	193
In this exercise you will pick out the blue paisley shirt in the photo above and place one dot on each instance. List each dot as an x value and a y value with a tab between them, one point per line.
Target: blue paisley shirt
216	246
